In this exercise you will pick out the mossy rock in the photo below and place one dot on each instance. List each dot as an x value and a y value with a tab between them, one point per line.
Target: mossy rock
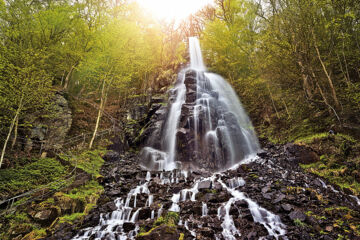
164	232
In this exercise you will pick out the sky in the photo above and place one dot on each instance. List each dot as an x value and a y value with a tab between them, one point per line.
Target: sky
173	9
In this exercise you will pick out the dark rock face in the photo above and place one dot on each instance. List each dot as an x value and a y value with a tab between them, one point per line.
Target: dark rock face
210	132
201	113
49	133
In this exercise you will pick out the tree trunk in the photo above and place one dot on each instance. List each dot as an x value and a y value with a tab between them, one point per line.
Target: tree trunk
327	103
305	78
10	129
287	111
324	98
342	70
15	133
272	100
326	73
67	79
101	108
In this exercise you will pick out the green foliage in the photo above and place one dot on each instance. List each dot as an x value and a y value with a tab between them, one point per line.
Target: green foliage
90	191
89	160
292	63
299	223
336	173
71	218
30	176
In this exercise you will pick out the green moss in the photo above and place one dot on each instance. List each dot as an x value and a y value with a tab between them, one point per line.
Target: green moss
211	191
253	175
89	161
71	218
311	138
30	176
170	219
91	189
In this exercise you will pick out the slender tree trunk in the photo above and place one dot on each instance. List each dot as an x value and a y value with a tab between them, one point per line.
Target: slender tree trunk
305	78
326	73
10	130
101	108
67	79
345	62
15	133
327	103
325	99
342	70
287	111
272	100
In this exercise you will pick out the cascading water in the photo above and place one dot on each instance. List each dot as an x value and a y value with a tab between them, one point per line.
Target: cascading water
206	126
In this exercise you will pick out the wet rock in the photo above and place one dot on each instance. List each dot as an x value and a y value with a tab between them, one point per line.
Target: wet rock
207	232
128	226
286	207
204	185
297	215
144	213
279	198
111	156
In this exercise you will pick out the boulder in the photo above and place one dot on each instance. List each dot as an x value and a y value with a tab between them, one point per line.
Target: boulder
302	154
297	215
46	217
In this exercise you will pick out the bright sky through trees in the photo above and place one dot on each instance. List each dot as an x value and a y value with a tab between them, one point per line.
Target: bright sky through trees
173	9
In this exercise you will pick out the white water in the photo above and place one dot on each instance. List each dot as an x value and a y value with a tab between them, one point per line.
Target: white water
204	210
226	128
221	126
113	222
270	221
196	59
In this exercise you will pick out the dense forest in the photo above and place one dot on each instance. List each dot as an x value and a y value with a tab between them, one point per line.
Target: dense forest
79	76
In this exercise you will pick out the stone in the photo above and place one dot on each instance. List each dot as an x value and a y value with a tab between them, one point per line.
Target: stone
302	154
204	185
144	213
286	207
128	226
46	216
297	215
329	228
49	134
279	198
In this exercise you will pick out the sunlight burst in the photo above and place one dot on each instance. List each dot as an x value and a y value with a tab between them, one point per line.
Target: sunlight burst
173	9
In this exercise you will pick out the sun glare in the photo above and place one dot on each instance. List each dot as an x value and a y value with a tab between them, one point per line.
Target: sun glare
173	9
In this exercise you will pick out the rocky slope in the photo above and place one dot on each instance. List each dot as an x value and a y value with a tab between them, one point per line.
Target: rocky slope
269	197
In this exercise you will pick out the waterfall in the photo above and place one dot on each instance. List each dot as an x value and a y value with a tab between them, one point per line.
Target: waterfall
206	125
196	59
